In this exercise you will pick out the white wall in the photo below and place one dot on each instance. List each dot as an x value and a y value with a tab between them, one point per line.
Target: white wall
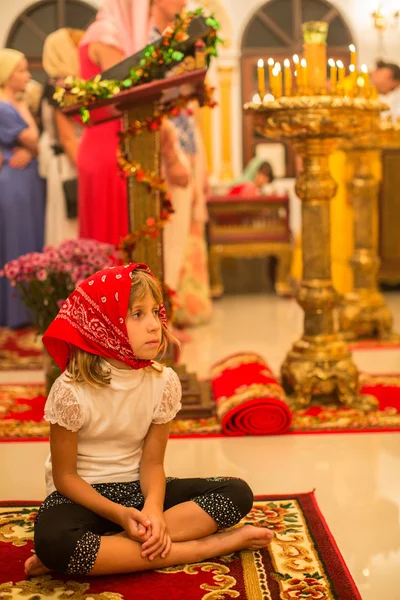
11	9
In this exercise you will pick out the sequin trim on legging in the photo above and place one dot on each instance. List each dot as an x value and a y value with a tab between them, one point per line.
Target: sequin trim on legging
127	494
220	508
85	554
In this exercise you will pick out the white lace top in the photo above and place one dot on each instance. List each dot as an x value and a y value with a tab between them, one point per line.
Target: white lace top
112	421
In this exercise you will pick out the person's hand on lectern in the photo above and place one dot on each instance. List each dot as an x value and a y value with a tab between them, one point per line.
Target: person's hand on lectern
176	171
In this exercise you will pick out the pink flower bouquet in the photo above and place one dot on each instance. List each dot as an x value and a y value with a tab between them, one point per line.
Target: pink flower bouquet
46	278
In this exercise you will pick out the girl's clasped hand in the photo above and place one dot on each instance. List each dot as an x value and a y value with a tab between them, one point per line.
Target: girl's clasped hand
149	528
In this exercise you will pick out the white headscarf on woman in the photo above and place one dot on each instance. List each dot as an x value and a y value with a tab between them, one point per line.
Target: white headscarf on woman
9	60
60	54
123	24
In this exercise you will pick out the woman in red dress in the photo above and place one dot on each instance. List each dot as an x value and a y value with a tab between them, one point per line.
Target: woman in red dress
120	29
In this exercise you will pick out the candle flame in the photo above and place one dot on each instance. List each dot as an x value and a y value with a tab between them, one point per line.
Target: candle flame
278	67
364	68
352	68
303	62
340	64
331	62
352	48
271	62
260	63
256	99
295	59
286	63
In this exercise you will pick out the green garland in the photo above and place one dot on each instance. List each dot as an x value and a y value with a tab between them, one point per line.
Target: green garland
79	91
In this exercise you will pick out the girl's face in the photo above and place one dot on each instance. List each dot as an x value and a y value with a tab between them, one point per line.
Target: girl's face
20	77
144	327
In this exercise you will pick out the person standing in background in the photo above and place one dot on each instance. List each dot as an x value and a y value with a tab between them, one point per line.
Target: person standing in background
184	236
59	142
386	79
120	29
22	192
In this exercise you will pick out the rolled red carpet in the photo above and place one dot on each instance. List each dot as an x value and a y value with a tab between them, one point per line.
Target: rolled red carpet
249	399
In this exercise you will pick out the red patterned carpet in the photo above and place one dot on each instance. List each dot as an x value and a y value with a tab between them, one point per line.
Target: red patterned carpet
21	414
302	561
20	350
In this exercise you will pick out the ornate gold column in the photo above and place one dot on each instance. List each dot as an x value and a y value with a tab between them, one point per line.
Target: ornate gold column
225	83
320	363
363	312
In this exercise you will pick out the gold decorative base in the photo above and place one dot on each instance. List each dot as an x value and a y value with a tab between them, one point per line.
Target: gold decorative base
324	371
364	314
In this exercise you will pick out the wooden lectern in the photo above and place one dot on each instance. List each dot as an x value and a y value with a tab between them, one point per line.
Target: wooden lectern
137	104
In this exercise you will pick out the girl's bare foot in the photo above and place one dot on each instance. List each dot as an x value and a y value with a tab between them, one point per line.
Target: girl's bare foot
34	567
255	538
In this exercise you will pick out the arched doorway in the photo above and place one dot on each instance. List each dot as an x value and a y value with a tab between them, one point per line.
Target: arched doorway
31	28
275	30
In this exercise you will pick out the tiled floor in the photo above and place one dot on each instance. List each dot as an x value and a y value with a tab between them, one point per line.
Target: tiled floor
356	476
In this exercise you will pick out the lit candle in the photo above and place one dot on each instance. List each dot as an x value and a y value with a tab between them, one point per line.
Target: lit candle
304	73
353	77
353	55
277	73
333	75
271	63
297	74
341	71
365	76
288	77
261	78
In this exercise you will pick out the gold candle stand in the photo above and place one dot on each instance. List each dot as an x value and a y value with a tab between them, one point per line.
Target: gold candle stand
320	363
363	312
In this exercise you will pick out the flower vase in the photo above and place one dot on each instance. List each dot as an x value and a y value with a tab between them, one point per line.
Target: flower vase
51	370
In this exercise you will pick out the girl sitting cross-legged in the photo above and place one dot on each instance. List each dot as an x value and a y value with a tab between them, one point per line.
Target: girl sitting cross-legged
110	508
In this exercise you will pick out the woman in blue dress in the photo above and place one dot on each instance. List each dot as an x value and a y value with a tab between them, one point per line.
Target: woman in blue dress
22	192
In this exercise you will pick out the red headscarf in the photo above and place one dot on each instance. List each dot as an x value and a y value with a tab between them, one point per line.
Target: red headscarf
93	318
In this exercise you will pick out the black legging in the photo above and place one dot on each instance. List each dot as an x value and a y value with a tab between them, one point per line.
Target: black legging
67	535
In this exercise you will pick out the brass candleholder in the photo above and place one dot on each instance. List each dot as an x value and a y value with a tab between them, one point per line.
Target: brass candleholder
363	312
320	363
